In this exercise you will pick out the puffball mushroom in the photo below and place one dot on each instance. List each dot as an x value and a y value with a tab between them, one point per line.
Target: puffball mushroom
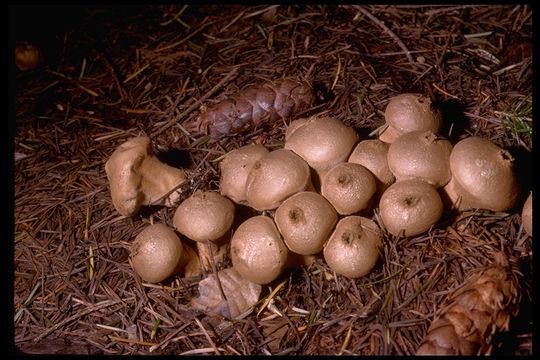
235	168
274	177
257	252
410	112
137	177
421	155
158	253
526	215
305	220
321	141
349	188
27	56
206	217
372	154
353	247
410	207
482	176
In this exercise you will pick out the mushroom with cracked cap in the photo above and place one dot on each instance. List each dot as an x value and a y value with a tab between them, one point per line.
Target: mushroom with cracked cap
158	253
137	177
206	217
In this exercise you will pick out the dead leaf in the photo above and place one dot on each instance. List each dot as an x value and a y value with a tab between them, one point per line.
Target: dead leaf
274	331
240	294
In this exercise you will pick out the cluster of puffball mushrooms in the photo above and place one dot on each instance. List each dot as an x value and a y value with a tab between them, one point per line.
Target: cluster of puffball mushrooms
315	196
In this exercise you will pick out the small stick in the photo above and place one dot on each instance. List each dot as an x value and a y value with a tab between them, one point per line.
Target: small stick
388	31
194	106
214	270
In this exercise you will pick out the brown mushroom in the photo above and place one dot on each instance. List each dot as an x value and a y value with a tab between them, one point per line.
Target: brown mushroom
305	220
321	141
412	112
274	177
410	207
353	247
526	215
349	188
257	252
421	155
206	217
27	56
482	176
158	253
372	154
137	177
235	168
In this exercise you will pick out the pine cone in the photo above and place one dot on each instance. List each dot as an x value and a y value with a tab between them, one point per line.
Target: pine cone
253	107
476	310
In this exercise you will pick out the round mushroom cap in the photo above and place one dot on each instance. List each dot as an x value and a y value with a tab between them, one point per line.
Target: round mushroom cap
321	141
349	187
410	207
235	168
276	176
526	215
305	220
205	215
483	174
353	247
27	56
421	155
372	154
412	112
156	253
257	252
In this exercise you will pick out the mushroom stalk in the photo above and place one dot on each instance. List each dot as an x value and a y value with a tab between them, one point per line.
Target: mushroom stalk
206	217
212	253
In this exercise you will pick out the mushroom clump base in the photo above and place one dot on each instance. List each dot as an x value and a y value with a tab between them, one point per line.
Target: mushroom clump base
311	199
